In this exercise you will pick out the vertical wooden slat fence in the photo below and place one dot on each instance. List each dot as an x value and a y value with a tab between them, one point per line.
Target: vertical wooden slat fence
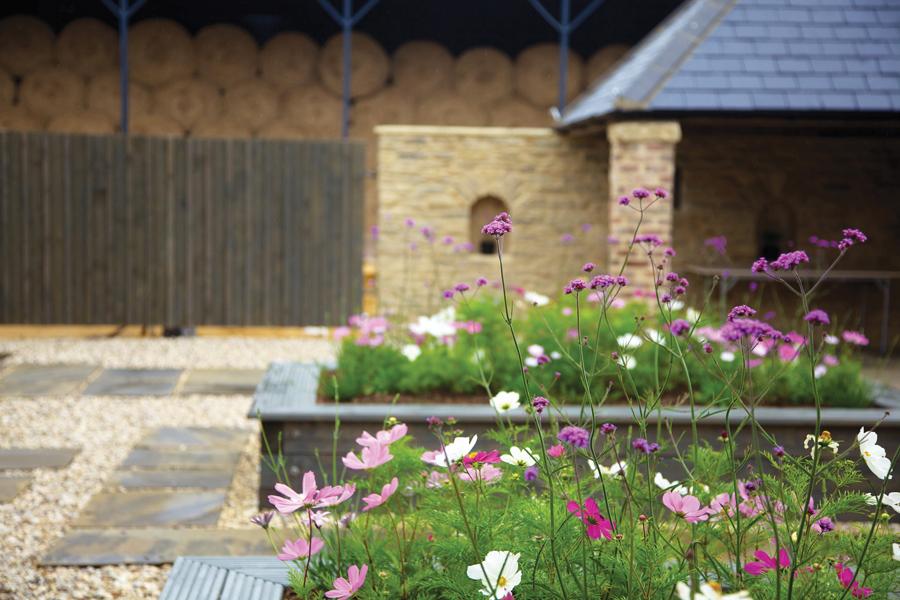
144	230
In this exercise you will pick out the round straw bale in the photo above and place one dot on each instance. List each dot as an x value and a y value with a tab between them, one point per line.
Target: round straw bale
602	60
422	67
159	51
49	91
483	74
186	101
87	46
369	65
537	75
7	88
83	121
226	126
17	118
313	110
289	59
451	109
391	106
253	102
226	54
515	112
26	43
282	129
103	94
154	124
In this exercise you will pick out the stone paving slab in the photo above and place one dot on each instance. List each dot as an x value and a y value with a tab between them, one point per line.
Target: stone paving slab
44	380
134	382
11	486
197	479
152	546
206	438
151	458
152	509
222	381
36	458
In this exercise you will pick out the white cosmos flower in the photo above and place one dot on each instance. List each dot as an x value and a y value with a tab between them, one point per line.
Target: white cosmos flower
825	441
727	356
895	548
439	325
612	470
627	361
455	450
531	361
663	483
820	371
411	351
535	350
832	340
873	454
760	350
892	500
503	574
555	355
709	591
520	457
656	337
676	304
692	315
505	401
536	299
629	340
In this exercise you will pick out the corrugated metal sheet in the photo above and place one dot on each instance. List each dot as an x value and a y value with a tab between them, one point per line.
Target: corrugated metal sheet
226	578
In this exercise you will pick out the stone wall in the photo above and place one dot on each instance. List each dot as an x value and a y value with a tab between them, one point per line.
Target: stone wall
554	187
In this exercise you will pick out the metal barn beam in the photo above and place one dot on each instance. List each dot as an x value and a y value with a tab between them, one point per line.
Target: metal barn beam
123	12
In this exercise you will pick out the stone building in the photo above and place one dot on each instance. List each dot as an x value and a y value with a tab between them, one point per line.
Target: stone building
772	122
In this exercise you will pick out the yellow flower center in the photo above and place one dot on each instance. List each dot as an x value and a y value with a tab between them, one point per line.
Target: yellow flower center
825	437
716	586
867	453
501	582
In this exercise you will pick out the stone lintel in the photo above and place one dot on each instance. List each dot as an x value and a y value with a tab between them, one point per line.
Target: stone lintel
644	131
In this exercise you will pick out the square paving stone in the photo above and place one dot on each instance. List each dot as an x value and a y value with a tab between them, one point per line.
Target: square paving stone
36	458
152	458
199	478
134	382
222	381
11	486
152	509
152	546
44	380
196	438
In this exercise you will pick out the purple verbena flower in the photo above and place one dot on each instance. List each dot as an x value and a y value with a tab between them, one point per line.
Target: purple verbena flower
409	222
707	347
574	436
778	452
817	316
531	473
481	282
640	193
672	276
748	328
500	226
760	265
607	428
660	193
448	294
576	285
854	236
461	287
641	445
718	243
789	260
602	282
540	403
624	200
648	238
588	267
740	311
679	327
679	290
669	252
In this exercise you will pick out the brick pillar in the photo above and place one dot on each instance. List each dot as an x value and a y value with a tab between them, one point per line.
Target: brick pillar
641	154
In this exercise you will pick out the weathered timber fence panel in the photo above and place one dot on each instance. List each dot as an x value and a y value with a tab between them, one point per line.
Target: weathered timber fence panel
148	230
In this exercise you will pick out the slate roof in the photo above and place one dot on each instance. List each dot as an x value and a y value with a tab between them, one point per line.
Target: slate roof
757	55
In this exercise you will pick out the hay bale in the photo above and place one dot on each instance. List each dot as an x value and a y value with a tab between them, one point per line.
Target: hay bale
154	124
225	54
289	59
253	102
187	101
83	121
160	51
103	95
50	91
484	74
421	68
7	89
391	106
451	109
602	60
369	65
26	44
87	46
282	129
226	126
537	75
17	118
311	110
515	112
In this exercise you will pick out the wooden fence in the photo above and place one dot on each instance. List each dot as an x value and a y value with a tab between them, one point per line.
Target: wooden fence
174	231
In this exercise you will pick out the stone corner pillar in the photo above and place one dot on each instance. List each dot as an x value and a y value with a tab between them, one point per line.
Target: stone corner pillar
641	154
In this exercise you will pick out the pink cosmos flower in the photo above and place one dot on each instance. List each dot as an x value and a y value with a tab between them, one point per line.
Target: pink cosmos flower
372	456
595	525
486	473
845	576
722	505
300	548
385	438
687	507
768	563
346	588
436	479
556	451
481	457
856	338
376	500
311	497
431	457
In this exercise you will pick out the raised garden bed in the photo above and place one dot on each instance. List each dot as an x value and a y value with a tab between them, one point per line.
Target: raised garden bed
287	406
